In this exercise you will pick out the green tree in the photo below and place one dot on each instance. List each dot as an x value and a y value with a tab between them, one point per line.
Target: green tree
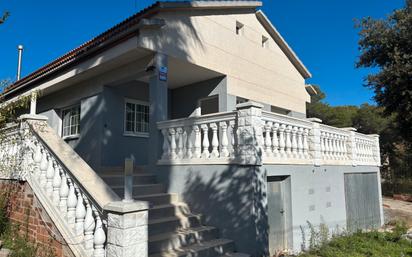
4	17
386	44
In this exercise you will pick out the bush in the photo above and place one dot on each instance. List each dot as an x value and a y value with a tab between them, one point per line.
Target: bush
397	186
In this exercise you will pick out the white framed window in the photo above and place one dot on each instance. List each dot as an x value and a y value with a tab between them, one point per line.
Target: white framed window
239	28
71	122
136	118
241	100
265	42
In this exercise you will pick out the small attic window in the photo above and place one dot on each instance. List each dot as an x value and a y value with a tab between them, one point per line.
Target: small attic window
265	42
239	28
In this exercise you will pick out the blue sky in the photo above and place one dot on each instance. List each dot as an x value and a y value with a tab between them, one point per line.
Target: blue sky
321	32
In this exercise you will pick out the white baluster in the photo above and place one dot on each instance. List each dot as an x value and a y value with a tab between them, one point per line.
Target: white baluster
268	139
173	147
185	138
99	237
325	145
294	142
71	203
89	225
179	131
37	157
224	152
49	176
57	181
215	141
275	140
345	149
282	142
205	143
80	214
232	139
166	146
330	146
305	143
198	142
189	152
288	141
335	146
64	193
341	150
300	143
43	168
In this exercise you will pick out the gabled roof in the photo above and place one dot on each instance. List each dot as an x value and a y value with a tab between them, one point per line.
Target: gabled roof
128	28
283	45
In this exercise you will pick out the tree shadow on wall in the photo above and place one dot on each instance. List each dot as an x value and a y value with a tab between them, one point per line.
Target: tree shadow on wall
234	201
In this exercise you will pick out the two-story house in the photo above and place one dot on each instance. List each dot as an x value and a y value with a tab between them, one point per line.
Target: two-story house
209	101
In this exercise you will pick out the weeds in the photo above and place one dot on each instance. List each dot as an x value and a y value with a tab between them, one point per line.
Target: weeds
14	237
360	244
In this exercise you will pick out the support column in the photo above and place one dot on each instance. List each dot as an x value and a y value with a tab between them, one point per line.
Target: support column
127	231
33	103
158	91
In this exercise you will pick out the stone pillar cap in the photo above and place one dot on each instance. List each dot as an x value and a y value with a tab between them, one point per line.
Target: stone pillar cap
127	207
248	105
313	119
349	129
33	117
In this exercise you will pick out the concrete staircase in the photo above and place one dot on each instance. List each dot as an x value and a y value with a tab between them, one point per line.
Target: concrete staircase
3	251
174	231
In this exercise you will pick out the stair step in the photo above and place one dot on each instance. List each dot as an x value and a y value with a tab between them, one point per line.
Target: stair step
181	238
210	248
236	255
159	199
5	252
138	179
140	190
168	210
173	224
120	170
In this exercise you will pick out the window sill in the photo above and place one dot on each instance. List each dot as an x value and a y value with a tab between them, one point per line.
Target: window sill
144	135
72	137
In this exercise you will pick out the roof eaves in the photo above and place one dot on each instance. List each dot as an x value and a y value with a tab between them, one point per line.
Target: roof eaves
99	40
283	44
82	50
211	4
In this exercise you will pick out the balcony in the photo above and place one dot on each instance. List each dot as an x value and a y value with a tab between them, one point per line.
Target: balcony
252	136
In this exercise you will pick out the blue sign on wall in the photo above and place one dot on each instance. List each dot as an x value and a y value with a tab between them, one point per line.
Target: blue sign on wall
163	73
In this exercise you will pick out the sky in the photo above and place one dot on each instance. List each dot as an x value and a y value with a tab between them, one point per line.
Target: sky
321	32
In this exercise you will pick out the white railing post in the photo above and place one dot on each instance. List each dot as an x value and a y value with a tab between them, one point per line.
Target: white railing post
250	135
127	229
377	150
224	152
315	143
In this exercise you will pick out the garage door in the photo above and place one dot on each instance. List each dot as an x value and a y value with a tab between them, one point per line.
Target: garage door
362	201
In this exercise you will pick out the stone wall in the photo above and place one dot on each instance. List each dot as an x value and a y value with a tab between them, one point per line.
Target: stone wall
27	212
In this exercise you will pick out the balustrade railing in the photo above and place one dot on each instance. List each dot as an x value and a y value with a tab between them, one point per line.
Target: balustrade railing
285	139
209	137
77	214
366	149
9	151
334	144
214	138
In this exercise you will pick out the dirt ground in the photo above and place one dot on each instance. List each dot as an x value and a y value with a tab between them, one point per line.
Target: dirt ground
397	210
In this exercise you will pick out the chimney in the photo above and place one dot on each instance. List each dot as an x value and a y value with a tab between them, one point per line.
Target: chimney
20	50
